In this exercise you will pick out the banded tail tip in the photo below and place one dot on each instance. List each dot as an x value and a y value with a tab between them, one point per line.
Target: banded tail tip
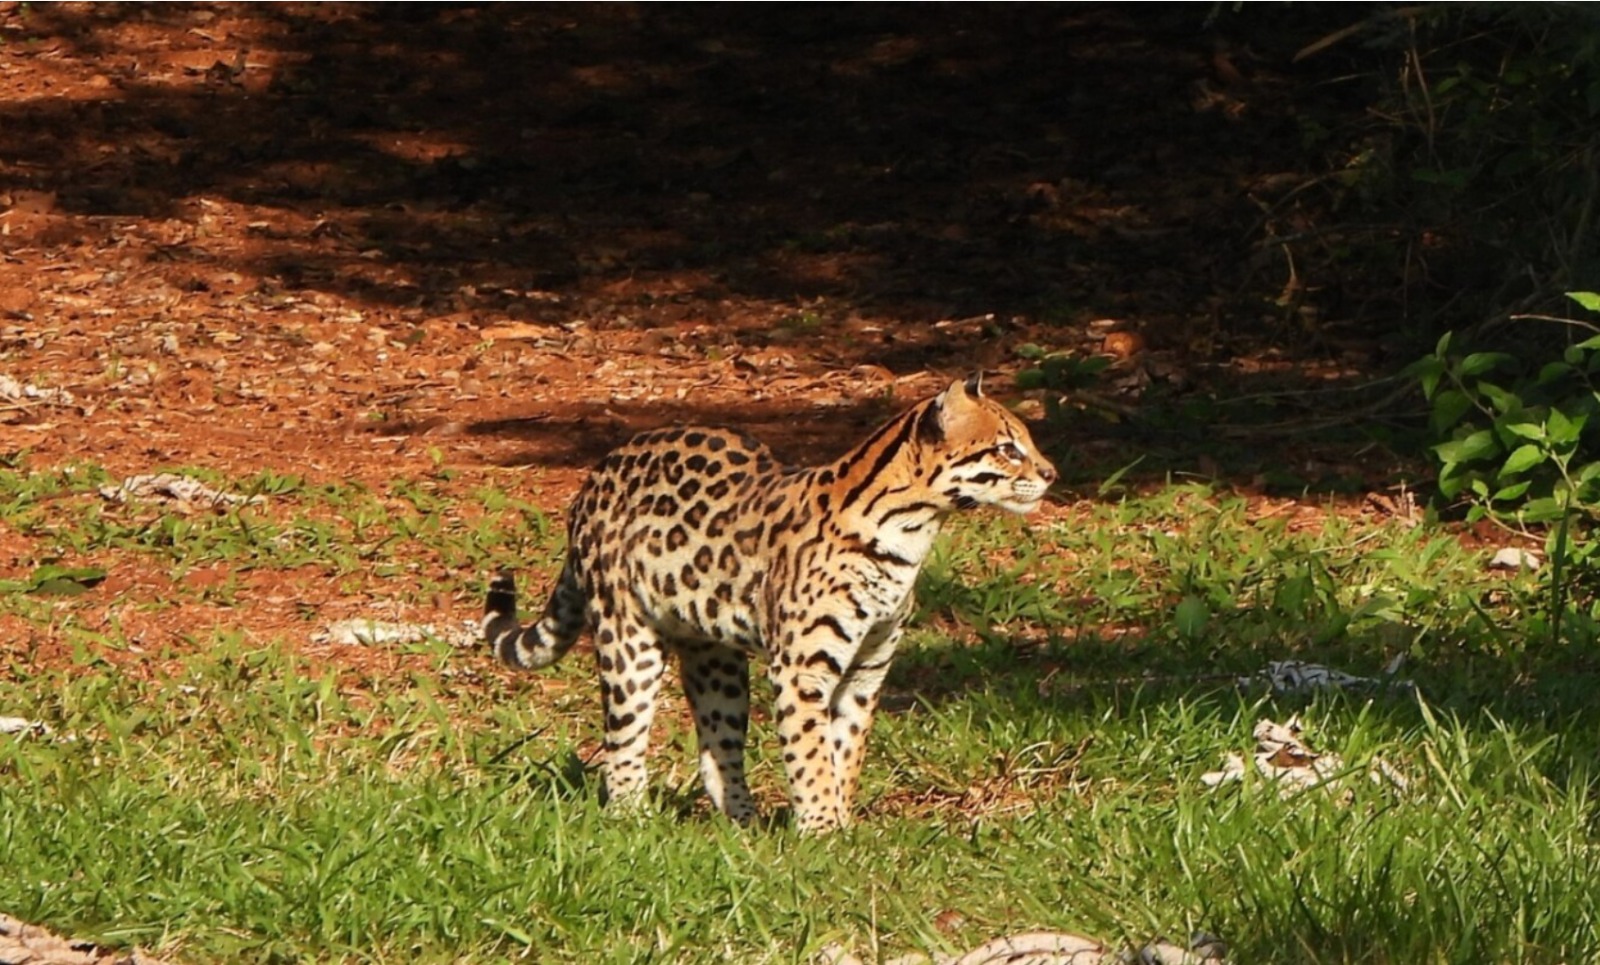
502	597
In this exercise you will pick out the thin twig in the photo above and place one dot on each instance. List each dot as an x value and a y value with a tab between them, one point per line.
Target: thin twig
1362	414
1296	393
1344	33
1574	322
511	748
1095	400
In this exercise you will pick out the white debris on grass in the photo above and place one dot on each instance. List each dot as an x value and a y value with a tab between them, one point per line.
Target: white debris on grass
1283	758
22	725
1292	677
25	944
1513	558
187	493
1055	948
386	633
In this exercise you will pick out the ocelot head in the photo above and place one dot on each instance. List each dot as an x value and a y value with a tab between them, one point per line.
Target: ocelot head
984	453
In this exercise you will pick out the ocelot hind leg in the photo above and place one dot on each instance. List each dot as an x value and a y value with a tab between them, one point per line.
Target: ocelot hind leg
716	680
632	662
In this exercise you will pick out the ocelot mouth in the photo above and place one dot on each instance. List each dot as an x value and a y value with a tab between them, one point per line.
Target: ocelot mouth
1023	503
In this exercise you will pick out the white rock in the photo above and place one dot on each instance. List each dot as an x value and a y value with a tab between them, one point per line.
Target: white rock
15	391
1514	558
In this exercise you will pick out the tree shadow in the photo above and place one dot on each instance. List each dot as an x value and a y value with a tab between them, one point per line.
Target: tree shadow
862	172
922	163
1066	673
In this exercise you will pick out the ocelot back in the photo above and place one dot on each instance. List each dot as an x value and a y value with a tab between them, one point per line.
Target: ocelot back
697	542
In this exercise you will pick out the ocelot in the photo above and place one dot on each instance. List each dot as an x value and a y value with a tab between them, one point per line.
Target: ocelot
697	542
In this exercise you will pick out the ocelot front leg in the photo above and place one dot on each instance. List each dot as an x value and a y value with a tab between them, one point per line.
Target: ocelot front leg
825	684
803	685
851	709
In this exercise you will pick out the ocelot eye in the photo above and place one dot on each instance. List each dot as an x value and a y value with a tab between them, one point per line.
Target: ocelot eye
1010	451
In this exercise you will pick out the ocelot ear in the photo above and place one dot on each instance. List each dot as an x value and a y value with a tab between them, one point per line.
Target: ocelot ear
948	408
961	392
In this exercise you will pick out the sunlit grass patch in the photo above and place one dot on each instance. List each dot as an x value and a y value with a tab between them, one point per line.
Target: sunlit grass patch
1037	762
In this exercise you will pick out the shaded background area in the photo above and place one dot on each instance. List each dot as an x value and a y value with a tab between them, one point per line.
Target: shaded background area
532	229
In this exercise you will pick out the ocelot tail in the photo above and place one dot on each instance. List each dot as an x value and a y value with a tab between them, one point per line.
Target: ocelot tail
697	542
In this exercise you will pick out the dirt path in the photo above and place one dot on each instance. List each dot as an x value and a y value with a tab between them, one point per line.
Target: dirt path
327	238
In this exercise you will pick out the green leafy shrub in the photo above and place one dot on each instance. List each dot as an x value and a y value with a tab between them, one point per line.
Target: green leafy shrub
1057	370
1517	431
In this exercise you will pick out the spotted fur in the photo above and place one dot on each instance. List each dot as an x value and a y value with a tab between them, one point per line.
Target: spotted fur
697	542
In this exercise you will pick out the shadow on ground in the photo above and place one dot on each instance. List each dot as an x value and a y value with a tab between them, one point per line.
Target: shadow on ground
649	164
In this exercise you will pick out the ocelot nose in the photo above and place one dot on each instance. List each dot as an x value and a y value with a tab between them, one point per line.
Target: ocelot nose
1047	472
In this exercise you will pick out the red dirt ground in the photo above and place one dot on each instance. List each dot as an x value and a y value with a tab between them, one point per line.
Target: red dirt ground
345	241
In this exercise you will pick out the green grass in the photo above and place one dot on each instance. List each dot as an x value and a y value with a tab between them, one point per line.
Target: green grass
1037	765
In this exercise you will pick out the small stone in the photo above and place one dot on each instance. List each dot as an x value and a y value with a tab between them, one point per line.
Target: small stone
1122	345
1515	558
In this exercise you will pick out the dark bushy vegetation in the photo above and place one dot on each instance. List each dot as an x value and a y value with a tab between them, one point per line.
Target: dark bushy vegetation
1486	160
